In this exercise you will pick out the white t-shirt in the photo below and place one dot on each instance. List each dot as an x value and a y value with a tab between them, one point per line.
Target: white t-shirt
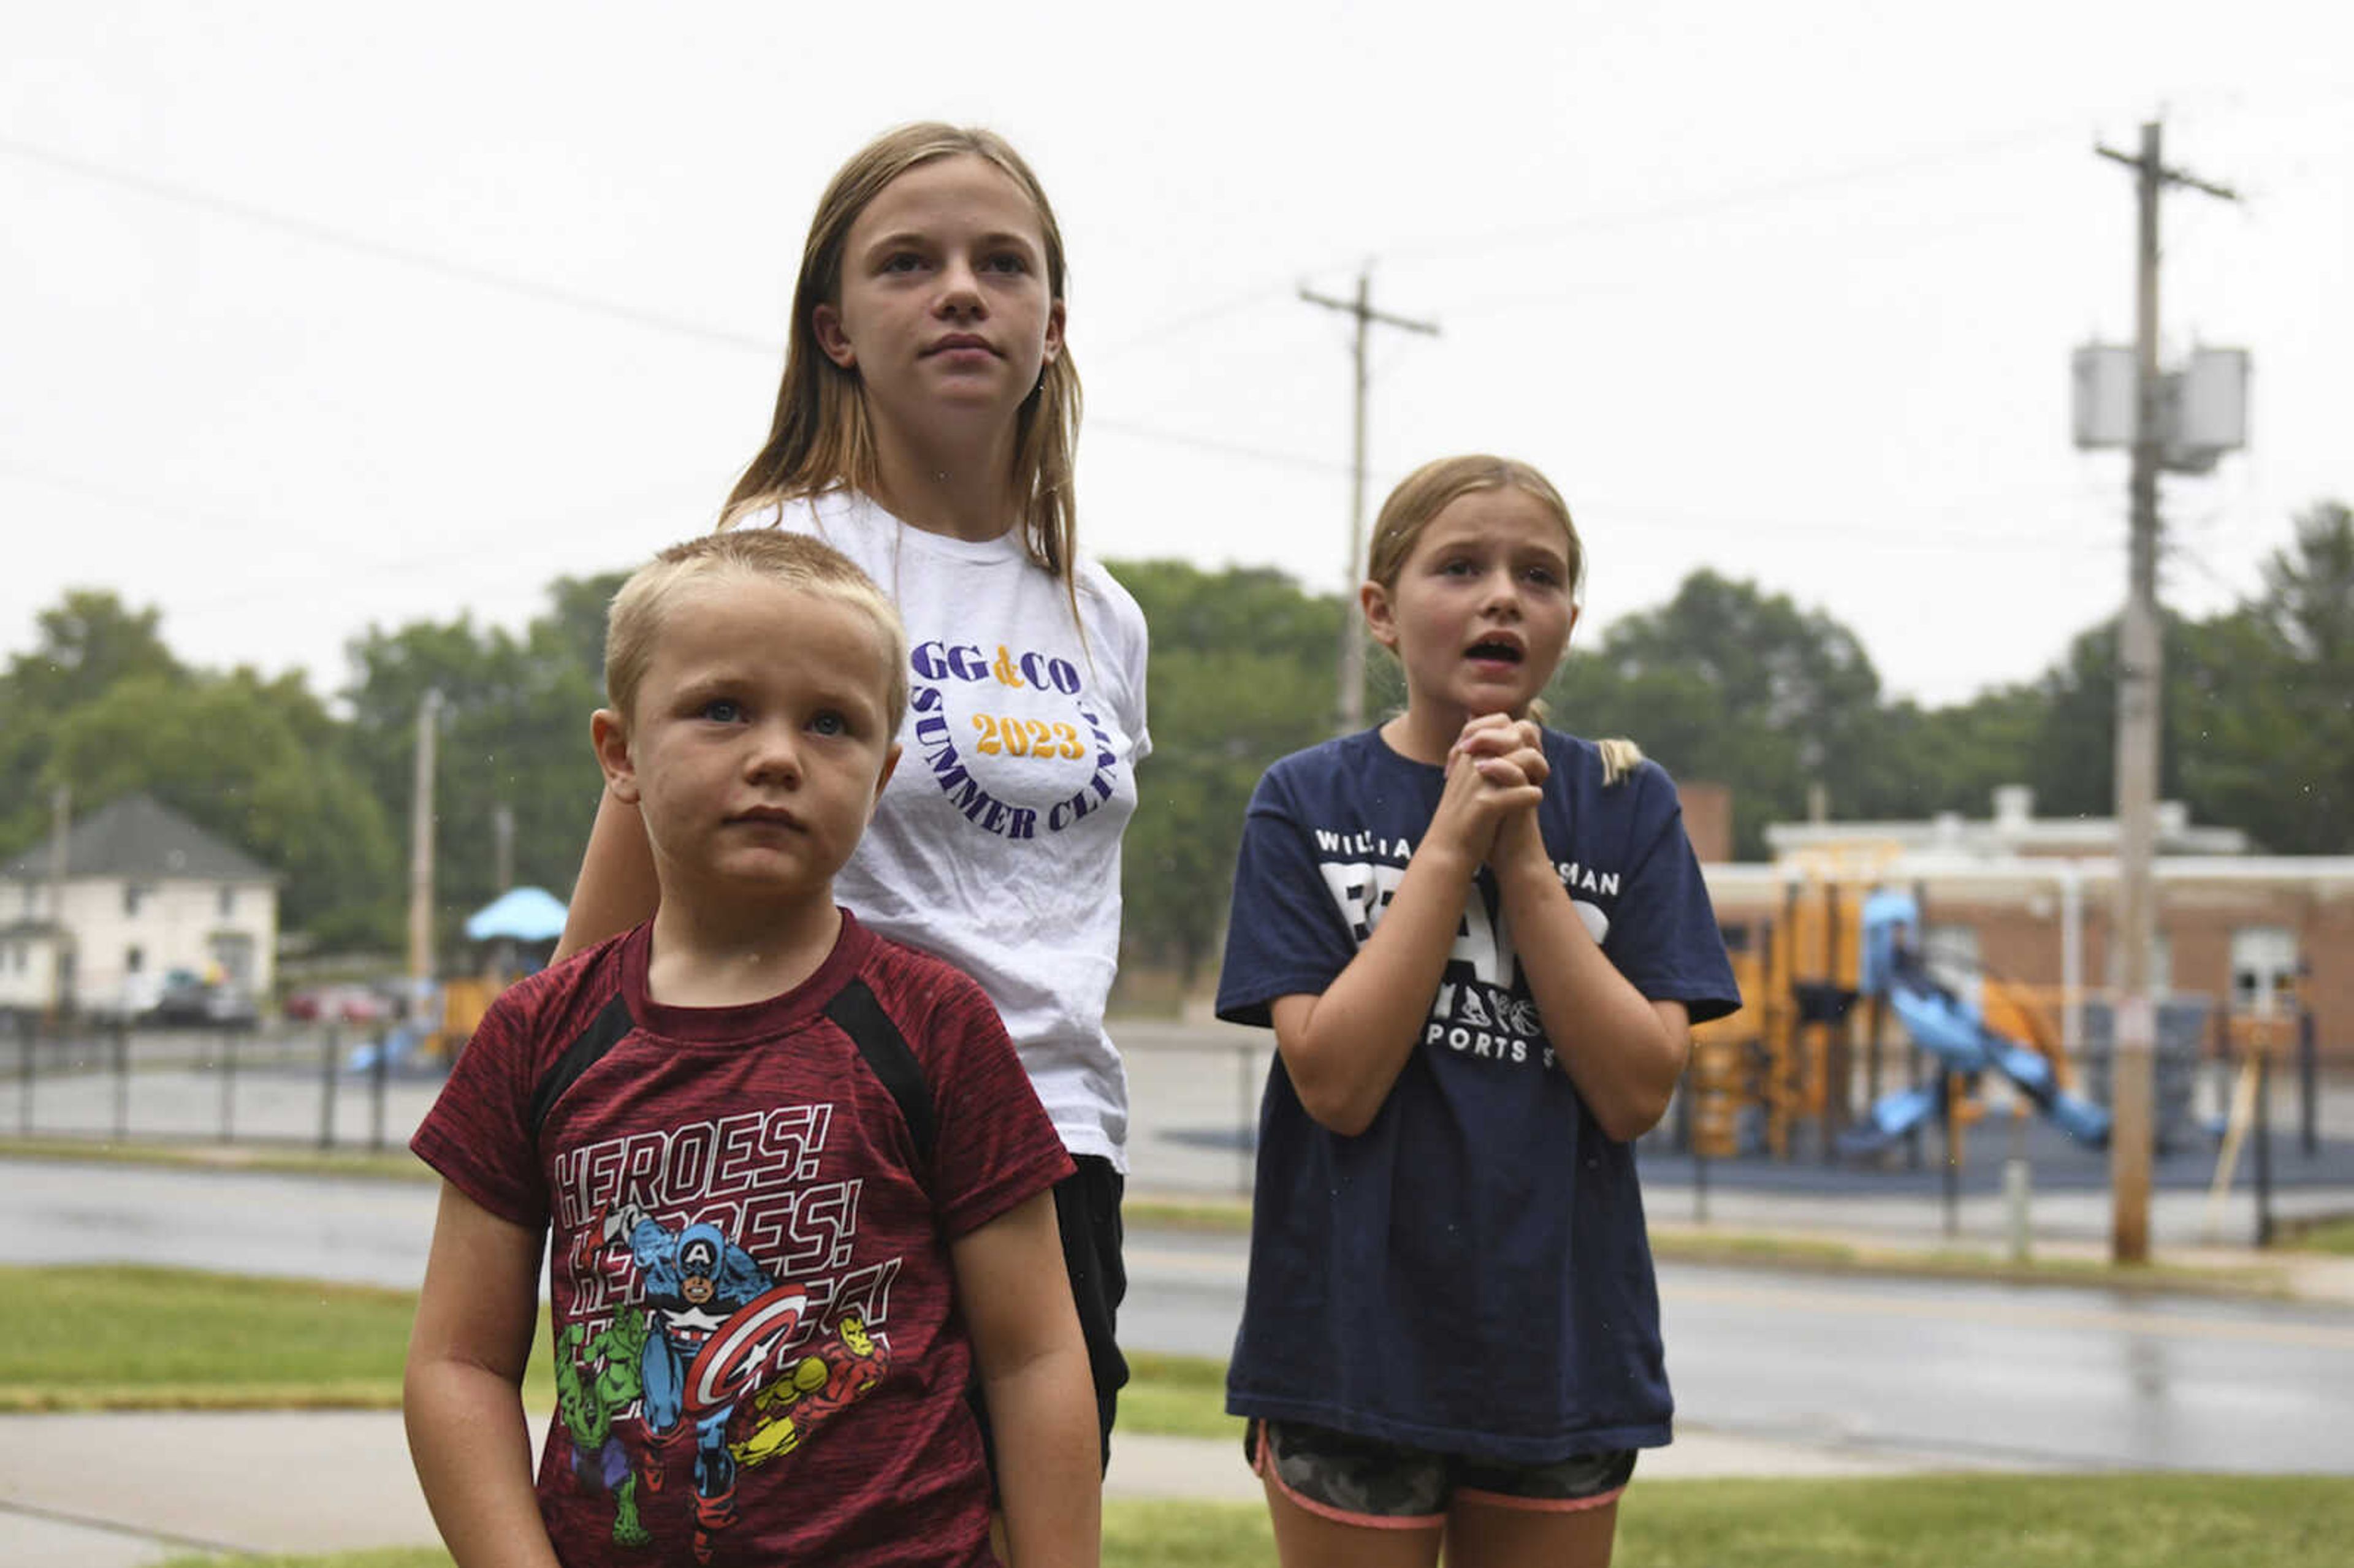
997	842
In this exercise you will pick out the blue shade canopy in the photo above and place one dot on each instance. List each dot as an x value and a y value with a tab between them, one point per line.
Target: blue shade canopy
519	914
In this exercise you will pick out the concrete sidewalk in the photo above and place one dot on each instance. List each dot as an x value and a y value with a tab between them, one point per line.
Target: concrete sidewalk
129	1490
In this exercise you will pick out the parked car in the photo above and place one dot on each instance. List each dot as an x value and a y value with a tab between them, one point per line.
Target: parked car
231	1007
182	998
337	1004
136	999
187	998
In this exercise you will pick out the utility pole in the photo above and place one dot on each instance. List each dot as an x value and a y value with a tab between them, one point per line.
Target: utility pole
62	954
1352	631
2139	669
502	844
420	844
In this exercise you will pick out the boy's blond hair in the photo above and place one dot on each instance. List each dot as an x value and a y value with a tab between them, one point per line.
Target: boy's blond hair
643	607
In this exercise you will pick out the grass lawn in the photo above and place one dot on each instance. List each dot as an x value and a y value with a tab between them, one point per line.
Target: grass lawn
393	1163
2333	1236
128	1338
1938	1521
91	1338
1181	1396
125	1337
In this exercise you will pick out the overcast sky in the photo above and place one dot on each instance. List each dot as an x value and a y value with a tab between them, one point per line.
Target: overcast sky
319	316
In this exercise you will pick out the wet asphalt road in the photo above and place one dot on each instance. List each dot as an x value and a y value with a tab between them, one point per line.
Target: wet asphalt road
1987	1373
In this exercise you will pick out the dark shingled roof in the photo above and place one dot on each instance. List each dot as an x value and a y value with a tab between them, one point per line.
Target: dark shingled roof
141	838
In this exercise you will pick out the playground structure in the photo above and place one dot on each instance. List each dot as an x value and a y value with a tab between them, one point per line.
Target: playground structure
1997	1031
1841	995
443	1015
437	1028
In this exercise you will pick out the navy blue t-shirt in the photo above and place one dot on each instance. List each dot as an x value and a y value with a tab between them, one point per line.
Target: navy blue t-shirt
1471	1274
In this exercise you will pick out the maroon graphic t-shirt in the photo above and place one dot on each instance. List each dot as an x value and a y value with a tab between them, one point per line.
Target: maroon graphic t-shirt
758	1357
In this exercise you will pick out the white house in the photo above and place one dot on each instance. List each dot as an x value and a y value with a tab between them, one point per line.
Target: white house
141	891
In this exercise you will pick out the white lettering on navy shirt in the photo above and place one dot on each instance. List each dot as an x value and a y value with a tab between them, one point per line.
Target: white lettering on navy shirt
1476	1012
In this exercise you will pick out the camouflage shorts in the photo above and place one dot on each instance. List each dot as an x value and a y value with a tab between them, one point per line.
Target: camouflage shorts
1353	1478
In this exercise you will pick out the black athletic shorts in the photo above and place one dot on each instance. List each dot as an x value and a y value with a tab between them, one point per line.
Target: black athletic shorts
1365	1481
1086	1208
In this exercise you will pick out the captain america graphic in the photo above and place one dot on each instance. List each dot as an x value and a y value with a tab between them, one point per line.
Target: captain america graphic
694	1282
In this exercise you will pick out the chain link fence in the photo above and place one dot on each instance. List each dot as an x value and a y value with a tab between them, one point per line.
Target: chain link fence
326	1086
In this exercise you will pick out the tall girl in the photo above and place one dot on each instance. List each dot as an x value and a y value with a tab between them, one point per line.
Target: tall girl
925	428
1481	948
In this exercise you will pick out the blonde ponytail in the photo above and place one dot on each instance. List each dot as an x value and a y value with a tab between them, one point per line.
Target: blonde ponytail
1621	757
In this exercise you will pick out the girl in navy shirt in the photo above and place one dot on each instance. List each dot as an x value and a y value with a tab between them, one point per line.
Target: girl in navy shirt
1480	944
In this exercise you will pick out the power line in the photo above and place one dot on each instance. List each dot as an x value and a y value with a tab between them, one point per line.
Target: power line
1233	304
1875	247
115	496
1890	538
526	541
215	206
1212	444
2328	94
1724	201
654	321
155	188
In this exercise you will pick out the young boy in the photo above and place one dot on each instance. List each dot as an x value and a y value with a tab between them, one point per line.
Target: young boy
791	1179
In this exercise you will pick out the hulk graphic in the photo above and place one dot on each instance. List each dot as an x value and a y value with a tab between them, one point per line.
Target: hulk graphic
596	1379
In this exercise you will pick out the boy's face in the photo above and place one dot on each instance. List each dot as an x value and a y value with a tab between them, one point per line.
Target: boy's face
755	748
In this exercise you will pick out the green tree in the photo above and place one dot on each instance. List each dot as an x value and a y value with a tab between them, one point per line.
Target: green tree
243	757
573	629
2213	682
1951	759
2265	698
1241	674
513	734
102	707
87	642
1727	681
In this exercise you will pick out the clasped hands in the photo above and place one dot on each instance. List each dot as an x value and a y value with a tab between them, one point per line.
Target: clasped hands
1496	772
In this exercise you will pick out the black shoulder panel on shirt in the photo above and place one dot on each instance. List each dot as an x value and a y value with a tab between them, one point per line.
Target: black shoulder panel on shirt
862	1017
604	1032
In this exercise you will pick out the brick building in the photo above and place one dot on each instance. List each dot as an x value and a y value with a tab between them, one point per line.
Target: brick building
2031	900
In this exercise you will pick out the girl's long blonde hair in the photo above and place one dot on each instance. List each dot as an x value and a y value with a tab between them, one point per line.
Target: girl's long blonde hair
822	438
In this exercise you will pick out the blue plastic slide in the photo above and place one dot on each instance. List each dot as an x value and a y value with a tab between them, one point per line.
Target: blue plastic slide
1948	1030
1892	1117
1951	1031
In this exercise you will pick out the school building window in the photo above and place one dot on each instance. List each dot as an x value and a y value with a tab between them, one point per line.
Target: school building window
2264	967
134	960
227	902
131	894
